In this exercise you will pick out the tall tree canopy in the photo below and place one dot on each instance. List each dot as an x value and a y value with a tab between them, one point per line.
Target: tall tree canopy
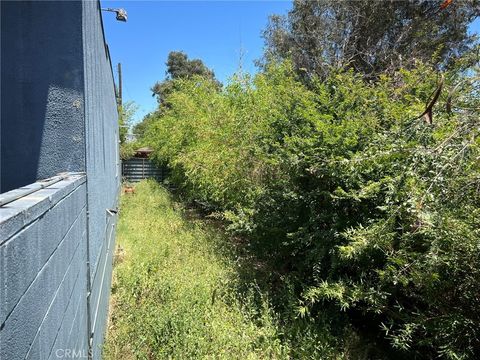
180	67
370	36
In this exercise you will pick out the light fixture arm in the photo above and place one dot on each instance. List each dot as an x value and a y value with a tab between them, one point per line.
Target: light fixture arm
121	13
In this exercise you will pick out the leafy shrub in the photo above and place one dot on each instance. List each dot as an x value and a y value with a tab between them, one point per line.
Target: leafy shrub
367	208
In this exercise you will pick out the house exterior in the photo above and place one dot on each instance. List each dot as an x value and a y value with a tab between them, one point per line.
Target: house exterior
58	122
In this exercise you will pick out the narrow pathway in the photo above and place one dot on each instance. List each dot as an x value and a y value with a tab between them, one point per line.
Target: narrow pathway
175	289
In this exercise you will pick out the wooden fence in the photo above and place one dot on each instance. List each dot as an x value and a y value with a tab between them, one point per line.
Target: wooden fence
137	169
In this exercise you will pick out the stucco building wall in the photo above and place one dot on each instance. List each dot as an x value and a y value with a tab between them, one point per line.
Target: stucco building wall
42	84
58	114
102	163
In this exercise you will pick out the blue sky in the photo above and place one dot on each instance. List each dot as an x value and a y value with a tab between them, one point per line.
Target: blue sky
213	31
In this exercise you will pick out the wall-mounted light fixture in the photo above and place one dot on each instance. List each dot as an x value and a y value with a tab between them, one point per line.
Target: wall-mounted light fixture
121	13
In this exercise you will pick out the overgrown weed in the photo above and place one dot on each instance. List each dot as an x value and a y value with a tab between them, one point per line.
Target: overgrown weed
178	292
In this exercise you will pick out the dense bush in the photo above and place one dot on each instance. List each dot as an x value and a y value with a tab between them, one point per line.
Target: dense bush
360	203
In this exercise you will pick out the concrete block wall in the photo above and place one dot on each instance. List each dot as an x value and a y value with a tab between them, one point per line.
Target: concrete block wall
43	278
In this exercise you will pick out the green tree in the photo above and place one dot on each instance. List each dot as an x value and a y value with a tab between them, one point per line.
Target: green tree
139	128
125	120
179	66
126	113
370	36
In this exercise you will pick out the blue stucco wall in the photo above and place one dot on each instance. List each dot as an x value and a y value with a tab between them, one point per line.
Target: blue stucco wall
58	114
102	162
42	73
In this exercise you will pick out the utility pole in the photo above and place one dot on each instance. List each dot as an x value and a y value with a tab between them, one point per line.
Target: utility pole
119	68
241	55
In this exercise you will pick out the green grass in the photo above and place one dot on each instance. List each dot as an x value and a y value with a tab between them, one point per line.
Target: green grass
176	292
